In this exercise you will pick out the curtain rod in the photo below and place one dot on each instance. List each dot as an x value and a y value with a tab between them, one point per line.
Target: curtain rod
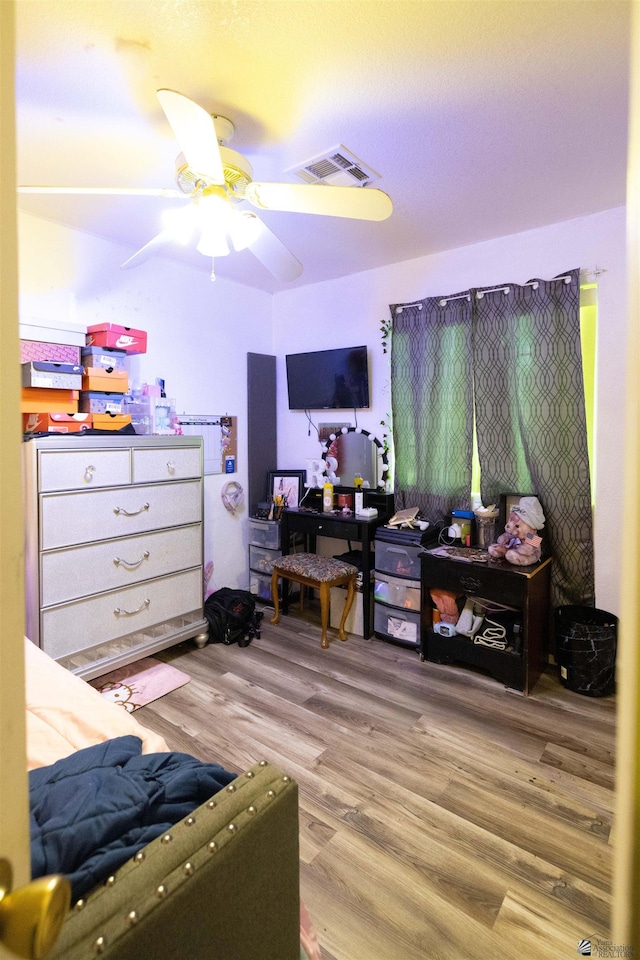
584	275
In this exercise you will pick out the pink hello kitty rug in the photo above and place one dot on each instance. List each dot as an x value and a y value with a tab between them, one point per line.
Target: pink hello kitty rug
139	683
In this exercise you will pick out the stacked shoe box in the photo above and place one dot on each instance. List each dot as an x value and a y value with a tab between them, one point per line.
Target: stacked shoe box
51	374
74	378
106	378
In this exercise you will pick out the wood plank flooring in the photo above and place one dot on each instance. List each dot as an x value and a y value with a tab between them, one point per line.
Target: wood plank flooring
442	816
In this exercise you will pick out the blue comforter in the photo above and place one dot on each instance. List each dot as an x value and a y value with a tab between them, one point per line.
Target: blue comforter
92	811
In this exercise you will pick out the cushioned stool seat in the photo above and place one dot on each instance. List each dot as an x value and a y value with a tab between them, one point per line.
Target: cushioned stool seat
320	573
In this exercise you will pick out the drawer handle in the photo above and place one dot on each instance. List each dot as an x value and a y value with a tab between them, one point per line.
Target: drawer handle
119	612
131	513
470	584
88	474
131	563
171	467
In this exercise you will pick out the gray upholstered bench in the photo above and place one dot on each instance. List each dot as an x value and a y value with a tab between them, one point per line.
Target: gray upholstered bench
320	573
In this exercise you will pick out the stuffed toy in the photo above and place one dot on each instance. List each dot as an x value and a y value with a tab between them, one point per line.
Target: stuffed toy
520	543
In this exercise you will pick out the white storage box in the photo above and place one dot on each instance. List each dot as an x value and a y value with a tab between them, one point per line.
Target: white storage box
400	625
265	533
397	592
355	621
52	331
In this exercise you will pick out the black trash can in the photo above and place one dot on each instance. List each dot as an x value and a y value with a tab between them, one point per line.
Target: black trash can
586	641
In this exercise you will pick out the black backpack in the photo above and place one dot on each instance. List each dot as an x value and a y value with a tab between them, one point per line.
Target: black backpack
232	616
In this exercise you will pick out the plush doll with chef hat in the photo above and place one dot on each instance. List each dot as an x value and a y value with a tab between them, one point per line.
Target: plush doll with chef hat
520	543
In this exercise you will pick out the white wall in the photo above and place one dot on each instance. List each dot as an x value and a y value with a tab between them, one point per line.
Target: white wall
198	337
349	311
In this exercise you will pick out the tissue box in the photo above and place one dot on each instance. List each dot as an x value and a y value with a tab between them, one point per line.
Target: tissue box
104	357
56	422
94	402
38	399
120	338
105	381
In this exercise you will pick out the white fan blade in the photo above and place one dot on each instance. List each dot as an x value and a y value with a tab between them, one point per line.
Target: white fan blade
106	191
357	203
273	254
149	249
196	134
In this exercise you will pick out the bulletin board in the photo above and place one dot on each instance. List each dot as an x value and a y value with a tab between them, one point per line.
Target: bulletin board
220	439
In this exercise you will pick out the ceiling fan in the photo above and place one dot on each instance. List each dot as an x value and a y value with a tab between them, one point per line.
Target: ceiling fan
218	181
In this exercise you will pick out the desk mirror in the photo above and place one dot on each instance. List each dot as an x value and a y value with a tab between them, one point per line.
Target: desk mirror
357	451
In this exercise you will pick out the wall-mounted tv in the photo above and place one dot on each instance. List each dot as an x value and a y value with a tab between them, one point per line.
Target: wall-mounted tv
328	379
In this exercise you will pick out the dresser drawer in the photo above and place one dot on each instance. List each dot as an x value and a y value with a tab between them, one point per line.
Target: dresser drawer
319	526
84	623
397	592
83	469
398	559
78	571
76	518
503	582
401	625
165	463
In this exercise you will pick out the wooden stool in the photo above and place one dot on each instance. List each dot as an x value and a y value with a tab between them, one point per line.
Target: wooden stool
321	573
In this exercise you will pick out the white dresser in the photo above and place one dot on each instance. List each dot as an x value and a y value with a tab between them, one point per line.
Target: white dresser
114	547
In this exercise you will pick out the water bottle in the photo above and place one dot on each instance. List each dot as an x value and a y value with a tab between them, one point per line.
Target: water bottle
327	497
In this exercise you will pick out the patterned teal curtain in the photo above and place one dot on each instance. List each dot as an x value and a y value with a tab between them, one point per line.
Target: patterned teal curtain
432	405
531	420
513	355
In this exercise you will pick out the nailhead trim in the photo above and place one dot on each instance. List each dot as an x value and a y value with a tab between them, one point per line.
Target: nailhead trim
80	905
190	821
110	881
263	763
99	945
167	838
188	869
132	918
139	857
271	794
161	891
250	773
232	828
211	804
252	810
231	788
212	846
286	779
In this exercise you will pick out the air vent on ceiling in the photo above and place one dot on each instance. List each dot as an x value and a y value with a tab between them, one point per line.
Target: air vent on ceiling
338	167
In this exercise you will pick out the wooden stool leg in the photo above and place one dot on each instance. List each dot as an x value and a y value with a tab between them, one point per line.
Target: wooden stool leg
275	576
351	589
325	596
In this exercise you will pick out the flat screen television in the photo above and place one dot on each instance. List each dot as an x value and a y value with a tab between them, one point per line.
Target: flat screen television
328	379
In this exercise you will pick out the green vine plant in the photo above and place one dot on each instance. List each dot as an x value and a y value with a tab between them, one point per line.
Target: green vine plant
385	332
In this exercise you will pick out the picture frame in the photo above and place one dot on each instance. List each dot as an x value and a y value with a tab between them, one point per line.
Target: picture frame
506	503
287	483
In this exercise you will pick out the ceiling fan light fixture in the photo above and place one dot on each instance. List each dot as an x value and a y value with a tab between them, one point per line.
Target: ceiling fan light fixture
180	224
213	215
244	229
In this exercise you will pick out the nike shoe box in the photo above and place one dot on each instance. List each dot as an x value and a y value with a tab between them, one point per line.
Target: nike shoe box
117	337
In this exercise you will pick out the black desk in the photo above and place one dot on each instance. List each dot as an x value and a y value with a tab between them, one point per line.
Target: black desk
341	527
